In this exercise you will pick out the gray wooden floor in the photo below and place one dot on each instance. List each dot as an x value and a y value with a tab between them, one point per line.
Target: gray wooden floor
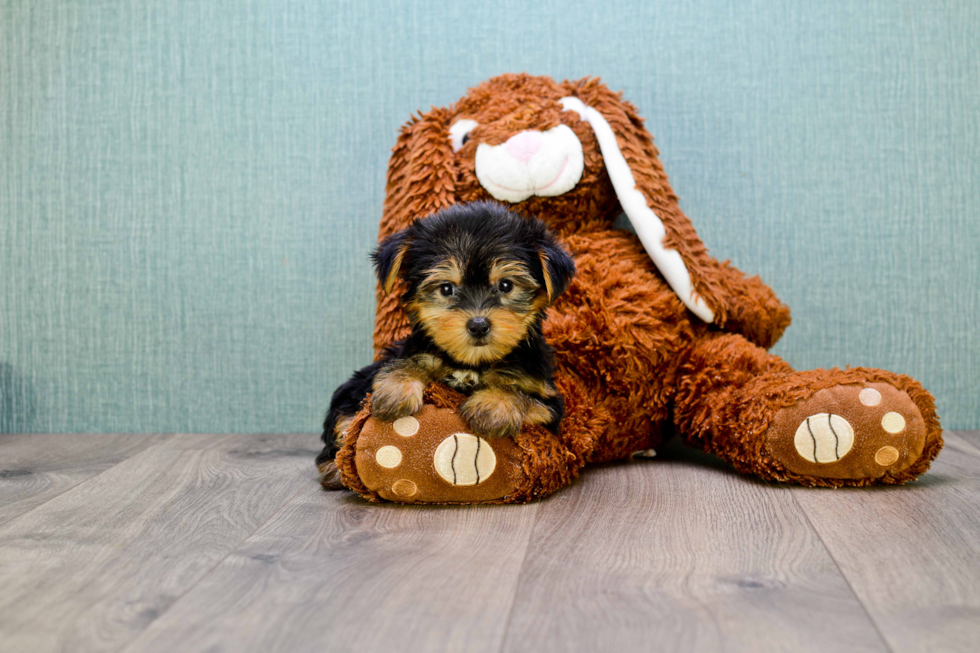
226	543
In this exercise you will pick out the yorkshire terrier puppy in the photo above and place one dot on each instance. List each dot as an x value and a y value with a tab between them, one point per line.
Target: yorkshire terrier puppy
478	279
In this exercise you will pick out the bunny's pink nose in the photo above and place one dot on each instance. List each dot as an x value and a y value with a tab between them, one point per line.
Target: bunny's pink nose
523	146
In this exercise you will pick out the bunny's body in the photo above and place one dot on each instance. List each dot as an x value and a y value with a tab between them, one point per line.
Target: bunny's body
653	335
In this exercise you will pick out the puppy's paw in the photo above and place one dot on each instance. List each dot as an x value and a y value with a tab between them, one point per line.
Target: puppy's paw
494	413
330	476
396	395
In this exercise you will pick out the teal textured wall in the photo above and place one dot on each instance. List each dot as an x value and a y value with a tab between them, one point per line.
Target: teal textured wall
189	190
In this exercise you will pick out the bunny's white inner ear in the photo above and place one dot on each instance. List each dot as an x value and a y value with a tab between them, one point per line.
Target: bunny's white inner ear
649	227
459	130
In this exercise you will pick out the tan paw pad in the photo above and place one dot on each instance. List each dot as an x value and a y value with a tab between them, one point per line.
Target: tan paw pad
464	459
824	438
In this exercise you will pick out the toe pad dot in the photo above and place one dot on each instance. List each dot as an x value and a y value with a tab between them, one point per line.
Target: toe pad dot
870	397
886	456
893	422
404	488
388	456
406	426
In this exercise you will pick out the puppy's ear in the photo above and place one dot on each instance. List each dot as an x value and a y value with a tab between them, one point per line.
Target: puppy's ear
557	266
388	259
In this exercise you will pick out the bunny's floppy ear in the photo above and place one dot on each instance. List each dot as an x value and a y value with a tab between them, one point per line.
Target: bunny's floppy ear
421	181
647	200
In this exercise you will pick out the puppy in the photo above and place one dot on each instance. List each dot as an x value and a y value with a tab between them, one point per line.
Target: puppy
478	279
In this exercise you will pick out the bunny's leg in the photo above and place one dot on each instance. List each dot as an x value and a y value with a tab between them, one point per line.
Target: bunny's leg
817	427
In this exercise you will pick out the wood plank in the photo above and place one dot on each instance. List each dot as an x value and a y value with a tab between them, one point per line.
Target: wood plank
971	438
912	553
332	572
36	467
89	569
681	554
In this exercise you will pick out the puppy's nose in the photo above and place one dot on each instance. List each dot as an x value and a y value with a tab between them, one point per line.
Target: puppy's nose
478	327
523	146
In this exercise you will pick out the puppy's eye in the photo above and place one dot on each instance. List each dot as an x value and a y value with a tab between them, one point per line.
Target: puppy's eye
505	286
447	289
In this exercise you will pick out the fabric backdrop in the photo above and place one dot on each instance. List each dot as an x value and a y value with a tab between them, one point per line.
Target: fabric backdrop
189	190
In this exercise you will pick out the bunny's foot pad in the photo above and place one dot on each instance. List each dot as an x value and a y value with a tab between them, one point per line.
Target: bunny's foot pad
859	431
433	457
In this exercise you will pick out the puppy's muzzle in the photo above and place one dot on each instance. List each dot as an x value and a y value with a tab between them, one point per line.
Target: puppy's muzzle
478	327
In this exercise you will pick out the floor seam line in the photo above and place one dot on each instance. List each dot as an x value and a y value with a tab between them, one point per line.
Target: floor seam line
520	576
850	586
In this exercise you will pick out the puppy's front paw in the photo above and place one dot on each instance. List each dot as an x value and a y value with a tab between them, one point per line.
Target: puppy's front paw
396	395
493	413
330	476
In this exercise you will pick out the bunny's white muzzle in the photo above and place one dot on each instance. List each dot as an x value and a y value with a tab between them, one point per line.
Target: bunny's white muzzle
545	164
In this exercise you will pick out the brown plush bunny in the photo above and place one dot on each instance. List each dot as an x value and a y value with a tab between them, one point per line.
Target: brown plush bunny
653	335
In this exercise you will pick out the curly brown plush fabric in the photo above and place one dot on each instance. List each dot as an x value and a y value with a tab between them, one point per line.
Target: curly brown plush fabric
633	362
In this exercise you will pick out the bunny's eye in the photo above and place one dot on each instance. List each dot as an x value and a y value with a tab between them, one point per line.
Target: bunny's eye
459	133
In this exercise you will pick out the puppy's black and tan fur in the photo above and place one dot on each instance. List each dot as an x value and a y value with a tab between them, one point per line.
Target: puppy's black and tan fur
478	279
